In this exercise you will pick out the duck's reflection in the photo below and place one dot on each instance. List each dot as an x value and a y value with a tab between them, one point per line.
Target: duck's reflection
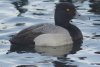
76	46
59	51
54	50
19	6
56	64
59	64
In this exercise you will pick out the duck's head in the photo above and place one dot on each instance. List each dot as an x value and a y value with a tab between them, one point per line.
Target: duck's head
64	12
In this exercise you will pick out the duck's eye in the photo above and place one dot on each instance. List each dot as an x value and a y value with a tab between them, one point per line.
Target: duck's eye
67	9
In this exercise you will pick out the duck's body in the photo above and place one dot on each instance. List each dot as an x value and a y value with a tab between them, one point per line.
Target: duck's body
62	33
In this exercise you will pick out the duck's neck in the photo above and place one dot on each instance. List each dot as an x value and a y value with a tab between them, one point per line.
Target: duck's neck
64	25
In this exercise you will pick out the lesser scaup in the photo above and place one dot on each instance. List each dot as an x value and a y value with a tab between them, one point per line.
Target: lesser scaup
46	34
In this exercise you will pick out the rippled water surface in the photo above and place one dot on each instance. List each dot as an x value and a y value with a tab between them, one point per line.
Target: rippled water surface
16	15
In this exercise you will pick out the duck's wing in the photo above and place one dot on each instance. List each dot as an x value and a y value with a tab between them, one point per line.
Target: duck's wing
24	40
26	34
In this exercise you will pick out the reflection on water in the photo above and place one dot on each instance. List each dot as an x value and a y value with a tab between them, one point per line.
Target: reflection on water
19	6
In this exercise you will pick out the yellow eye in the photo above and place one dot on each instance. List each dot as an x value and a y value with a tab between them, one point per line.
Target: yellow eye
67	9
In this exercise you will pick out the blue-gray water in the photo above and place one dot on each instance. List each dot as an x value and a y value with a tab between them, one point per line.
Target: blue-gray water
16	15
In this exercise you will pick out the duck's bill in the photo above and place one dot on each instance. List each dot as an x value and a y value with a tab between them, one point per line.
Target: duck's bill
81	17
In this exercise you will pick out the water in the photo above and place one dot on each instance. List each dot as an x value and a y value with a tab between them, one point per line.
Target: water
16	15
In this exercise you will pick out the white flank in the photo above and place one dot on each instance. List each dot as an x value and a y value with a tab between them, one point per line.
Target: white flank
53	39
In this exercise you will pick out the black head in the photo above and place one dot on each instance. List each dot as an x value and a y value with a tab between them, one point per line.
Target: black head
64	12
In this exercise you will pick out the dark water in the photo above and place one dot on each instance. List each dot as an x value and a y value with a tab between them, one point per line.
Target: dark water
16	15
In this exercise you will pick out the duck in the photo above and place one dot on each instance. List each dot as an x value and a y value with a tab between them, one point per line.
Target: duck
48	34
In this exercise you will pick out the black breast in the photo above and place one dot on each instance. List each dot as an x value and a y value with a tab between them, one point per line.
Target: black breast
75	32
